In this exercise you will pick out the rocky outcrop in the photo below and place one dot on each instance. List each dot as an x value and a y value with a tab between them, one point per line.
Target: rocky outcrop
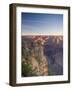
37	60
39	63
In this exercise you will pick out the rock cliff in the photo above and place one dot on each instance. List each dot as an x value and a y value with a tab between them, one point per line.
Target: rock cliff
35	57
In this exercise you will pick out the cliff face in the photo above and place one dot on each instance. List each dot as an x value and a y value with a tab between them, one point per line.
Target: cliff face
36	59
39	62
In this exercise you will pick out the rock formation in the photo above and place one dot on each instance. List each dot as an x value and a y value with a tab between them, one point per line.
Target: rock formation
36	59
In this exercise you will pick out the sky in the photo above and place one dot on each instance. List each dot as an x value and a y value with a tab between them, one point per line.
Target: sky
41	24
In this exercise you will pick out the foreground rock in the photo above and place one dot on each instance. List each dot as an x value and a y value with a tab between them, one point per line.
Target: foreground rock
37	60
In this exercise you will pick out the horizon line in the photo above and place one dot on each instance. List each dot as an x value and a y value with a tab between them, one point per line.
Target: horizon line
42	35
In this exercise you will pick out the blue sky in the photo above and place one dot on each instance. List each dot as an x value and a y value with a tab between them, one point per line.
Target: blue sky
36	24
